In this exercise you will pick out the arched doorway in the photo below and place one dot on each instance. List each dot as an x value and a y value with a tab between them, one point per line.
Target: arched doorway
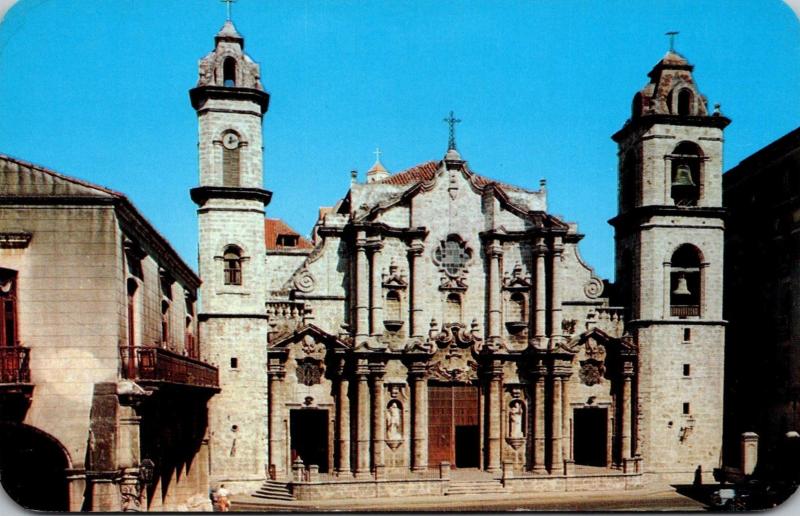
33	468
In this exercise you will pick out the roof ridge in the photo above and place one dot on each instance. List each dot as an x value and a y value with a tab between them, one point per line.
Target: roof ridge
67	178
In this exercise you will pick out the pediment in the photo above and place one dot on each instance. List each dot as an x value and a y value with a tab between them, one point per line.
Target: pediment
312	339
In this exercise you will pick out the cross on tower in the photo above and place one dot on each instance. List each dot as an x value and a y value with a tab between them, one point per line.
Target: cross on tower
377	154
672	35
452	121
228	7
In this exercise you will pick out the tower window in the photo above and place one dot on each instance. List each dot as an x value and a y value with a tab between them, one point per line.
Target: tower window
687	334
686	409
685	102
685	177
687	368
286	241
230	167
229	73
685	284
233	265
8	308
234	363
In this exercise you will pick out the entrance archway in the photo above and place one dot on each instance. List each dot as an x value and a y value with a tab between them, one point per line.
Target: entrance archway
308	431
454	425
33	468
590	438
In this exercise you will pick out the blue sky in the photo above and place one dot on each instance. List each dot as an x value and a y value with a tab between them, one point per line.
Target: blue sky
98	90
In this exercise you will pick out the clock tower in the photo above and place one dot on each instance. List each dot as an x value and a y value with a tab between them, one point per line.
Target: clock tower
231	102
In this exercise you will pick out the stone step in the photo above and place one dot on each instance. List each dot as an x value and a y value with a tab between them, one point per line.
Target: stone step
477	487
274	490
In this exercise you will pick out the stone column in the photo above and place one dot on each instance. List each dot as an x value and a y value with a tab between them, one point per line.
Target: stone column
419	459
416	325
376	291
540	297
555	294
539	424
277	459
494	251
566	415
343	421
494	376
556	454
362	288
362	419
626	417
378	425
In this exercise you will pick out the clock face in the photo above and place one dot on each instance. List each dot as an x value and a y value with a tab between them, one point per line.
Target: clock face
230	141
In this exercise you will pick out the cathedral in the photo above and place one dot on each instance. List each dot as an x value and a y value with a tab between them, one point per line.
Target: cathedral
441	326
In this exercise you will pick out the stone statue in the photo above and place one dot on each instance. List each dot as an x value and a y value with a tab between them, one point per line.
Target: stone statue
515	420
394	425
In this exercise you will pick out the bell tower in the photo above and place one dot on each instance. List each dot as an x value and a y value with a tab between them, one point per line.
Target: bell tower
669	250
230	103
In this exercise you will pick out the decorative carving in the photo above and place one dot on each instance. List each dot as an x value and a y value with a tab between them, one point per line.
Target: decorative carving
593	366
516	413
309	371
593	288
590	373
466	372
394	421
130	497
452	360
453	257
395	279
455	333
568	326
516	280
312	348
303	280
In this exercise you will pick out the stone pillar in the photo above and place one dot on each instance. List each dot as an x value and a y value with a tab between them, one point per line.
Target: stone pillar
495	413
343	421
378	424
417	325
76	481
419	438
539	424
566	416
626	417
277	459
749	452
376	291
362	419
362	288
555	294
494	251
556	454
540	297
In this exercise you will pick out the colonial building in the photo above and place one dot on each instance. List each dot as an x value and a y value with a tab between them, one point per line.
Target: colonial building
443	322
762	247
102	393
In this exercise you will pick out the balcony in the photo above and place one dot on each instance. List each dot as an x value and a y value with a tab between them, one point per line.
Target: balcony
15	381
684	311
150	365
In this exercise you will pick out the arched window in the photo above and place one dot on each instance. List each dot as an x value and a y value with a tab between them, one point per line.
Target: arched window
132	287
233	265
685	102
686	178
229	73
453	308
515	309
230	159
685	282
392	308
165	306
8	308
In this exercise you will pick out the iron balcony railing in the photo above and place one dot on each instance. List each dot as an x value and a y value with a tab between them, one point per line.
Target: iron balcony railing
684	310
161	365
15	365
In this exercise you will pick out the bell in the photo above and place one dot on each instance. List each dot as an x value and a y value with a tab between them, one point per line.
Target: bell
683	176
683	288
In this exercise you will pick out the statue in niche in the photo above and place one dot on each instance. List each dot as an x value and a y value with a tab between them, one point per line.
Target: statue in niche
394	421
515	415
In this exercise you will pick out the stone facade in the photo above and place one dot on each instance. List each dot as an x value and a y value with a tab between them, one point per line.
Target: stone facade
96	307
443	319
762	281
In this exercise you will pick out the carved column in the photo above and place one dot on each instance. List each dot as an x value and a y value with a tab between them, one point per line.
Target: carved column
494	377
494	252
362	288
566	416
556	451
417	325
378	424
276	373
376	291
362	421
626	415
540	297
539	423
555	295
343	421
419	459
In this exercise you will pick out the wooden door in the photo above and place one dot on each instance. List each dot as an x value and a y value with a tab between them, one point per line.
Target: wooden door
452	407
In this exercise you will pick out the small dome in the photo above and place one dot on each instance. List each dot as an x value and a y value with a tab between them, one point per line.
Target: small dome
452	155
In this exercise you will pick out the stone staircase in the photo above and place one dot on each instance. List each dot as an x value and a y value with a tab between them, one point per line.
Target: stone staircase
474	487
274	490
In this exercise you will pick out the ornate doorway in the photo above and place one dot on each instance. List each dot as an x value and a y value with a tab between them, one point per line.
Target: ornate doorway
591	429
454	425
308	430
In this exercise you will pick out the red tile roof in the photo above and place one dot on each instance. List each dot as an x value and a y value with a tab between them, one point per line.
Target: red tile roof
426	171
275	227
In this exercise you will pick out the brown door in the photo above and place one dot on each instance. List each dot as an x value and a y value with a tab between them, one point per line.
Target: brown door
453	425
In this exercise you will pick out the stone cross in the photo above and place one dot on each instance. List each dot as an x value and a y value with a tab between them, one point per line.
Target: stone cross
672	35
228	7
452	121
377	154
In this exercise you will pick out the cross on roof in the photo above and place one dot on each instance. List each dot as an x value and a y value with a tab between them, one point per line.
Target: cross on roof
228	7
672	35
377	153
452	121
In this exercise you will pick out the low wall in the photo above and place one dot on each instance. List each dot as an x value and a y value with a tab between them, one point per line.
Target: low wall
368	488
